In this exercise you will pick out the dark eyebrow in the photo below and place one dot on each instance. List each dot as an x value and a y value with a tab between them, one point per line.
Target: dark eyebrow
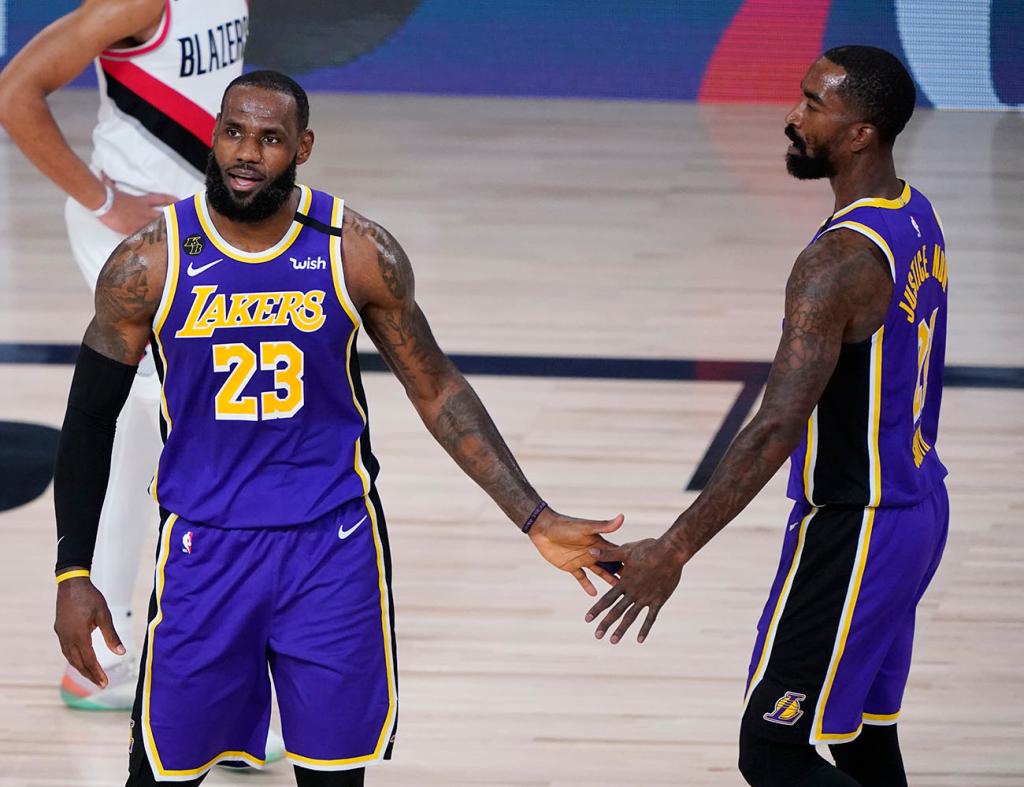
813	96
271	129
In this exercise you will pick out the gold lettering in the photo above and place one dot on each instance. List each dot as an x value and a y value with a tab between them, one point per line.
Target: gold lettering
290	301
215	315
311	315
920	448
266	302
210	311
192	327
239	316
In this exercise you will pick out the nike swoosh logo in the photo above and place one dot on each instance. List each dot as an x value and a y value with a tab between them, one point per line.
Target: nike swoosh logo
59	540
343	533
793	525
193	271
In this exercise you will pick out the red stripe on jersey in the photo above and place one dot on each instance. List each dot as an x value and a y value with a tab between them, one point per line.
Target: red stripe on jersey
765	52
181	110
127	54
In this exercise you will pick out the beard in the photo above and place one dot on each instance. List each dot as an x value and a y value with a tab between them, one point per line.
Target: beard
807	167
247	208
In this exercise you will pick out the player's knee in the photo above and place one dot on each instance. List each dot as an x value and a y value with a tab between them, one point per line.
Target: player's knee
767	763
755	758
304	777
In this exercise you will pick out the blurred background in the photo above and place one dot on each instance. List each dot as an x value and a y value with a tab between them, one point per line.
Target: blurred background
594	199
964	54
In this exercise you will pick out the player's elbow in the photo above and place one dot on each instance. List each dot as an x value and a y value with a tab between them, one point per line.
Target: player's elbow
777	432
23	100
13	100
429	391
7	100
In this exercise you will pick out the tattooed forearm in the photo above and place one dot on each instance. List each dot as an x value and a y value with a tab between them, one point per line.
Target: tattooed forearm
838	291
753	458
449	407
407	344
465	430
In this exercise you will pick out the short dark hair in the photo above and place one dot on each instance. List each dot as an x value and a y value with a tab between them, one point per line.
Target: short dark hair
281	83
878	85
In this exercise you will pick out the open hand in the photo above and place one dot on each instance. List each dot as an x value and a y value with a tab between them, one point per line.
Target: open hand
650	575
568	543
131	212
80	609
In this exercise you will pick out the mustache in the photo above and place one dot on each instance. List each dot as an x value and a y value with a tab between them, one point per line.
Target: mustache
798	143
245	169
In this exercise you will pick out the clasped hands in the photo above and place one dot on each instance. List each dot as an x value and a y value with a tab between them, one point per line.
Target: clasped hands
650	569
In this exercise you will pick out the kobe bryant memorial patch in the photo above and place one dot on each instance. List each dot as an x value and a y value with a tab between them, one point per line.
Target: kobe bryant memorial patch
193	244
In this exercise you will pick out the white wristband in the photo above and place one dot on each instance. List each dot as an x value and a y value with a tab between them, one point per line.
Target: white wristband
108	203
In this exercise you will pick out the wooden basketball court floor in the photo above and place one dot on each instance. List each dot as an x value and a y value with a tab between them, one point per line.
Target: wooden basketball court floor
621	231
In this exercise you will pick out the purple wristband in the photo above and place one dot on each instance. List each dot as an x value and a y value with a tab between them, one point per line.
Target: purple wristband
533	517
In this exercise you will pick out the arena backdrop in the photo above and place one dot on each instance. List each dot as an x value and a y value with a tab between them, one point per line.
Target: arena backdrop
962	53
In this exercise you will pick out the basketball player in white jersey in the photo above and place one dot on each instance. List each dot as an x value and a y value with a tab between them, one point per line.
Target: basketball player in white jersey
162	68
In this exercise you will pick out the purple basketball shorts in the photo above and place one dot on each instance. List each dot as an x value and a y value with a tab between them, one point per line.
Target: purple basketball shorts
834	642
308	605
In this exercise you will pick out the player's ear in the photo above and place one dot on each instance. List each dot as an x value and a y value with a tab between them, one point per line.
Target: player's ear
862	135
305	147
216	127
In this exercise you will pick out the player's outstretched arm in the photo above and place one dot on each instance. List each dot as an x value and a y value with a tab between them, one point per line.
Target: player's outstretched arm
838	284
380	279
50	60
127	295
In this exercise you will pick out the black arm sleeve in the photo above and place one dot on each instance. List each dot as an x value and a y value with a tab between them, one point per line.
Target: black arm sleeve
99	390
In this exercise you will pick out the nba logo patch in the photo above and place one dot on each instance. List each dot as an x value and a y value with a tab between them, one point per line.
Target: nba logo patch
787	709
186	546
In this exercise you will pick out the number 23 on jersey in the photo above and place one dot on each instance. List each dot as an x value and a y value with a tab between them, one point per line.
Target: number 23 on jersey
240	362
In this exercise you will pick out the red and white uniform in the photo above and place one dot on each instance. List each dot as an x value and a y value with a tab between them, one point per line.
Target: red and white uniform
158	103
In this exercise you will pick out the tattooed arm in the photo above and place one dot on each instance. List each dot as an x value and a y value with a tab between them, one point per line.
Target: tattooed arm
839	290
380	280
127	294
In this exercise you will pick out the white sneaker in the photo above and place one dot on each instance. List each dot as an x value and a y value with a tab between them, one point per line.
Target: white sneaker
274	752
80	693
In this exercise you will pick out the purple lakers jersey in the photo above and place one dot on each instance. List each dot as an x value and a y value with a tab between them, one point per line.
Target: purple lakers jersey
263	412
871	439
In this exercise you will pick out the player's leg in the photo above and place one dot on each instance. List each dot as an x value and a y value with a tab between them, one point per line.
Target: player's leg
332	642
304	777
140	774
804	626
768	763
204	689
873	758
129	513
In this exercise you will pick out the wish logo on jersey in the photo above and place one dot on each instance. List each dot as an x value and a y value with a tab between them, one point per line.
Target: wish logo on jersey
787	709
309	264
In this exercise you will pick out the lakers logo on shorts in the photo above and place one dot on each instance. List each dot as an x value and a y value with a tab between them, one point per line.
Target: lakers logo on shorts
787	709
193	244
